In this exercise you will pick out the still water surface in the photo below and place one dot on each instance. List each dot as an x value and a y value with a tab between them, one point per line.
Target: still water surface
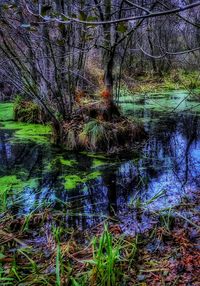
88	188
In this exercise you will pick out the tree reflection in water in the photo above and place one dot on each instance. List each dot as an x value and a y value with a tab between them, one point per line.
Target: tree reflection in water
169	161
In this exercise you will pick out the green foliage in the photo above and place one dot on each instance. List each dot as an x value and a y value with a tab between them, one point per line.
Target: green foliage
122	27
58	261
139	204
167	219
105	262
82	16
25	253
7	182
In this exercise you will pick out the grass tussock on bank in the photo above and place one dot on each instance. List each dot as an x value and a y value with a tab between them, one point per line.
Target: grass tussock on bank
28	111
93	129
96	135
93	126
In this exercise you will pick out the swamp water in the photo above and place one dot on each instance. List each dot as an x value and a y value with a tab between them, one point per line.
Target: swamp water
86	189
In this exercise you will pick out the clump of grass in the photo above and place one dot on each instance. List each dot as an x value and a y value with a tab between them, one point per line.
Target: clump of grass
93	134
138	203
105	262
28	111
173	80
99	135
181	79
111	256
167	219
57	231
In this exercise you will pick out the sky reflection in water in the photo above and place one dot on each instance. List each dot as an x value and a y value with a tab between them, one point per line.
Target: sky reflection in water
169	161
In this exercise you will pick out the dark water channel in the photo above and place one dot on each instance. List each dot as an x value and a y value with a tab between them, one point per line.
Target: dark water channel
88	188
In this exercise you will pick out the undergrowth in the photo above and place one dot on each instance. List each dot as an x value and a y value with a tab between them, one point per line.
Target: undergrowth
28	111
173	80
103	256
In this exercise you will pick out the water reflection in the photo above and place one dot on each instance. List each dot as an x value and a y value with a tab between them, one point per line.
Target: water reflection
168	162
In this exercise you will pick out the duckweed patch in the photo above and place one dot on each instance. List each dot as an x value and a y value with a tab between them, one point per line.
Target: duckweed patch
25	132
94	155
6	111
11	182
97	163
93	176
144	106
72	181
58	162
68	163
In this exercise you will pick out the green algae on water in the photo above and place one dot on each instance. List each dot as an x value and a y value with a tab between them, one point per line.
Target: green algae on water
97	163
59	161
92	176
68	163
94	155
11	182
10	186
25	132
6	111
72	181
